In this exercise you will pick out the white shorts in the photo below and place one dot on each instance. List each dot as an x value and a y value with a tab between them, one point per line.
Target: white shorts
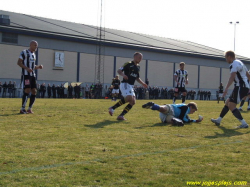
168	116
115	91
127	89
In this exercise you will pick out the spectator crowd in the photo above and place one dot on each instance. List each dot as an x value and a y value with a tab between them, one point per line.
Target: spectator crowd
97	91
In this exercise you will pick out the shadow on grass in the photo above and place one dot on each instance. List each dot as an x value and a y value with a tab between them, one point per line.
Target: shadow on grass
13	114
227	133
156	125
102	124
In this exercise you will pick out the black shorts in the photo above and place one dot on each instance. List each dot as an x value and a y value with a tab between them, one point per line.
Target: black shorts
238	94
180	89
28	82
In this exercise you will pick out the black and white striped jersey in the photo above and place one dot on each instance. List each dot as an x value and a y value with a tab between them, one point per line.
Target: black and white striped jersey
241	77
29	60
181	77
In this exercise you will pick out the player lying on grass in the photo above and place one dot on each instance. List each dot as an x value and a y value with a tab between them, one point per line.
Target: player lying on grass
176	114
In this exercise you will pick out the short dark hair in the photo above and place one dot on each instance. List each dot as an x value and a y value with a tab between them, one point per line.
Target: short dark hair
137	53
230	53
193	105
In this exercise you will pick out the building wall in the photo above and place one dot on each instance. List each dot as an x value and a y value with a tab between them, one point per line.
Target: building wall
47	58
160	66
9	55
160	73
209	77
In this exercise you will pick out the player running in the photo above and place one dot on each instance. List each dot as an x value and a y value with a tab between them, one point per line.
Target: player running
130	72
176	114
116	84
239	75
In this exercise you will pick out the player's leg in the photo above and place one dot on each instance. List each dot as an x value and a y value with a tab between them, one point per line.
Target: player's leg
153	106
242	103
32	100
175	97
130	99
24	100
224	111
26	85
242	92
248	108
183	97
124	90
33	95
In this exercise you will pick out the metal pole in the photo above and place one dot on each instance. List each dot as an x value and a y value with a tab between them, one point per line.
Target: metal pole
234	35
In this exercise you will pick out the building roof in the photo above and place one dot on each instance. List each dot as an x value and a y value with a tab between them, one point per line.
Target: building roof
39	26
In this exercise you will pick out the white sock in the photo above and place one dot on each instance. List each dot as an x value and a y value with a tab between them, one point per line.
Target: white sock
243	121
240	107
219	119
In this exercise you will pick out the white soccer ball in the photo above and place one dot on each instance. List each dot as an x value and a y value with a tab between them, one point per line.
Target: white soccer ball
200	117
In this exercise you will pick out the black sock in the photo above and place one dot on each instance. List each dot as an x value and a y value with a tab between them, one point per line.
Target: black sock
237	114
119	103
242	103
224	111
32	100
24	100
183	98
126	109
174	98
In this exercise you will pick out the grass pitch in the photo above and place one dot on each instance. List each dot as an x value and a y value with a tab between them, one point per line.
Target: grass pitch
77	143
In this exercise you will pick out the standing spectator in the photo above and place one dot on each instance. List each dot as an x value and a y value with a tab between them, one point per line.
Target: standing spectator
49	88
77	91
38	91
42	90
19	91
10	89
92	91
54	90
62	91
1	86
5	86
14	89
58	91
87	92
70	90
208	95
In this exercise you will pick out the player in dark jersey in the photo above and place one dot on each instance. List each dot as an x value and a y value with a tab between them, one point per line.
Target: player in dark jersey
130	73
26	61
220	93
116	85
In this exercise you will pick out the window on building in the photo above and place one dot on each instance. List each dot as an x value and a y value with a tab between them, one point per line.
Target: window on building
9	38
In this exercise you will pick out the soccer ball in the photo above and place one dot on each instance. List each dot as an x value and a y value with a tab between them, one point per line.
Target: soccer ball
200	117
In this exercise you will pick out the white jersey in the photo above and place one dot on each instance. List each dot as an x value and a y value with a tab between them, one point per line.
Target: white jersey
181	77
240	69
29	60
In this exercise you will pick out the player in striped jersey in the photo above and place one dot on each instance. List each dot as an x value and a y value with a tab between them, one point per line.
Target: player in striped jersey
26	61
240	76
181	79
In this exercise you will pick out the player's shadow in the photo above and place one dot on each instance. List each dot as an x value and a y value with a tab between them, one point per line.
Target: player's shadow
102	124
226	133
13	114
156	125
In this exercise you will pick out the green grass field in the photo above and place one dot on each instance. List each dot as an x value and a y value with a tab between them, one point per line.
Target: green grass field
77	143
